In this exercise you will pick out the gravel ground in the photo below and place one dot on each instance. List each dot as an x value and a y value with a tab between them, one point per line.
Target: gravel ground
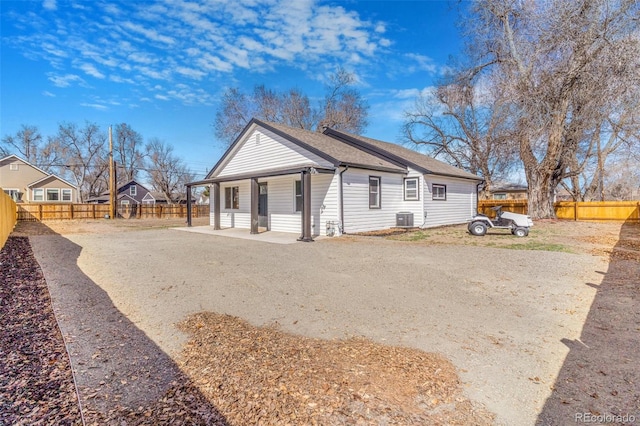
505	318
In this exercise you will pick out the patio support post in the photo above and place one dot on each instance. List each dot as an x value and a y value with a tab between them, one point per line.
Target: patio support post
188	205
254	205
306	207
216	205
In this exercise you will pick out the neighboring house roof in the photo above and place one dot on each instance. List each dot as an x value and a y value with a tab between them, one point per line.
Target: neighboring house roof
344	149
158	196
24	161
510	188
50	176
104	195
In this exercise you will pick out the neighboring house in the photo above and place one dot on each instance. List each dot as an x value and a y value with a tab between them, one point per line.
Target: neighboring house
26	183
509	192
278	178
202	200
131	193
154	197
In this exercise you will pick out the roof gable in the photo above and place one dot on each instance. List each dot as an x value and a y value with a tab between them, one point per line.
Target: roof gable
260	146
44	173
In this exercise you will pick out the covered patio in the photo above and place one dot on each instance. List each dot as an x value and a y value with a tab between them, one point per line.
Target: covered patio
305	173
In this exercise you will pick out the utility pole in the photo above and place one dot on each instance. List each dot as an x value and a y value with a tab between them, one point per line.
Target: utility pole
112	180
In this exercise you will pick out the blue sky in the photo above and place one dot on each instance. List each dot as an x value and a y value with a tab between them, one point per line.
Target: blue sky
161	66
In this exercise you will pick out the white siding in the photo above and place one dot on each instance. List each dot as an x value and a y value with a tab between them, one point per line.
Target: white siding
358	217
281	204
240	218
459	206
270	152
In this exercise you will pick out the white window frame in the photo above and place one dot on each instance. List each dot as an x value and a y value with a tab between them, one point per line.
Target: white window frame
66	194
52	191
11	191
38	194
297	196
232	198
14	167
133	190
438	192
416	196
378	202
500	196
124	202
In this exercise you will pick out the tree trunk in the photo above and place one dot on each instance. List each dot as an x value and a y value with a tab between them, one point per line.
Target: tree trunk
540	194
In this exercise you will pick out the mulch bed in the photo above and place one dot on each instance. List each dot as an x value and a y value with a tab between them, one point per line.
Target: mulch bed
36	385
263	376
232	372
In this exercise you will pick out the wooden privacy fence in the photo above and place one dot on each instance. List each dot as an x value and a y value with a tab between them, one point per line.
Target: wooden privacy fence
45	211
571	210
8	217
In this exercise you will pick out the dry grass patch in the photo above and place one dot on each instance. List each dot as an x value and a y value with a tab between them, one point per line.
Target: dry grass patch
261	375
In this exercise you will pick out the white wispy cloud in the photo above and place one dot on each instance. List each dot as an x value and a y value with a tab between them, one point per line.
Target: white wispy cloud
64	80
142	43
48	94
421	63
49	4
91	70
99	107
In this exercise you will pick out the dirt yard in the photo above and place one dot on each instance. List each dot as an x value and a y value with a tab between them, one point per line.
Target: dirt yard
431	326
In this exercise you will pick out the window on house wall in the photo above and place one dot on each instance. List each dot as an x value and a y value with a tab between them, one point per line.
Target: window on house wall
374	192
439	192
13	193
411	189
500	196
298	195
14	167
66	195
38	194
124	202
133	190
53	194
232	197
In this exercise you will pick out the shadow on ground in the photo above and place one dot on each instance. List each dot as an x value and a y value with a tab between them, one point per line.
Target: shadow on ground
599	381
123	376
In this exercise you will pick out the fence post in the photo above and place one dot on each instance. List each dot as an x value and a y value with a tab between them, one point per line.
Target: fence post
40	212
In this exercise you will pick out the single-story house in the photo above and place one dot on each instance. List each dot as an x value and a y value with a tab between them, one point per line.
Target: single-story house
26	183
279	178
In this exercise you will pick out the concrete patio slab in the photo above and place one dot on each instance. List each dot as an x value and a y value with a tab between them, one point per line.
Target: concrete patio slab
265	237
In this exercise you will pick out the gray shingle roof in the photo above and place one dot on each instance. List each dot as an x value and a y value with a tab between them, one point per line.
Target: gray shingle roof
342	149
412	158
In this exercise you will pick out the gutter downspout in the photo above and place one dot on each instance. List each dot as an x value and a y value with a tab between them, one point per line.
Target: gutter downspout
478	194
342	201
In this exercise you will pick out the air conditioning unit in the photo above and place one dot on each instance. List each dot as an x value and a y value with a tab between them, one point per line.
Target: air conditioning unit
404	220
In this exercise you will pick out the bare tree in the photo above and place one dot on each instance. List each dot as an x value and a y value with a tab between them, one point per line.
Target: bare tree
29	144
342	108
127	152
167	172
85	156
555	61
236	111
466	125
25	143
